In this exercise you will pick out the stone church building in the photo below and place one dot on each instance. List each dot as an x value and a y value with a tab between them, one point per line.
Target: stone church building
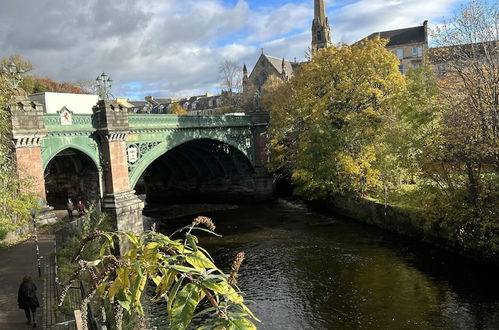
410	45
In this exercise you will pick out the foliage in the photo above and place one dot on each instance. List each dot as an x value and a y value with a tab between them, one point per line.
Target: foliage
176	109
327	121
15	202
183	275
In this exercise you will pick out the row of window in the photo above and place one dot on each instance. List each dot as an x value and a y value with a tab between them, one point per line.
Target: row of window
416	52
403	69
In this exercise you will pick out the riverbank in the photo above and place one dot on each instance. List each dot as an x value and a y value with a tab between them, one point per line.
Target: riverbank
405	222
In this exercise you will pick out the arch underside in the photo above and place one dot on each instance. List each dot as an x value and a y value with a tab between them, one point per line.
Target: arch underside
153	146
71	173
53	145
198	170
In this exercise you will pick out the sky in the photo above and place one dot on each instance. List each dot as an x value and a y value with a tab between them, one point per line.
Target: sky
172	48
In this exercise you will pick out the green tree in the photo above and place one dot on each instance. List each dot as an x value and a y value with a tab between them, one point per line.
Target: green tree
15	203
327	122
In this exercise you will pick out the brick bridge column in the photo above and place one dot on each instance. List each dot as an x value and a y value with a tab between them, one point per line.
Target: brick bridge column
28	130
263	179
111	120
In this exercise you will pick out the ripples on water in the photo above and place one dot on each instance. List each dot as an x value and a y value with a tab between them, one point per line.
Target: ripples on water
305	270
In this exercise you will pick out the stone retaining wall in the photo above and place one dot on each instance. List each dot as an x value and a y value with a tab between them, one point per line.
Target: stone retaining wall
404	222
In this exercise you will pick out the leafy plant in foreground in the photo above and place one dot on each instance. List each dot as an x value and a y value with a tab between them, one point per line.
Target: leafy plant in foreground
183	275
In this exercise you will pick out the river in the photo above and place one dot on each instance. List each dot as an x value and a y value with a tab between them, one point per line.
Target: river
307	270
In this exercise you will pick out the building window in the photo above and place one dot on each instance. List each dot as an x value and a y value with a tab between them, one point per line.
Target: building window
400	53
416	64
210	103
417	51
401	69
194	105
319	36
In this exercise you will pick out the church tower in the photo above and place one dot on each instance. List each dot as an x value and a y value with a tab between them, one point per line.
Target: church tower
321	34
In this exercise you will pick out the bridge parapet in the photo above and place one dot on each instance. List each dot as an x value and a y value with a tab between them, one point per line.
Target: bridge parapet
149	121
79	123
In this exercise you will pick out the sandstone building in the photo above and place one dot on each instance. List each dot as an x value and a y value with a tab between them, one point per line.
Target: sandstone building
410	45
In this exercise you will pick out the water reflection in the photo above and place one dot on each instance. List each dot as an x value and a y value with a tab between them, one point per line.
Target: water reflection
304	270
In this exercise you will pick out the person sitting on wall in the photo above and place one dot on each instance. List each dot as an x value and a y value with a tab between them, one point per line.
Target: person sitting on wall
80	208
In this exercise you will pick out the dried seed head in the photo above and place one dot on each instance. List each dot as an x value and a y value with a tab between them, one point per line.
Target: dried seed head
84	242
234	269
205	221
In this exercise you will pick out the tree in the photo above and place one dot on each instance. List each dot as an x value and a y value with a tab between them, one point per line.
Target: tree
87	86
231	78
469	49
177	109
15	203
182	273
327	122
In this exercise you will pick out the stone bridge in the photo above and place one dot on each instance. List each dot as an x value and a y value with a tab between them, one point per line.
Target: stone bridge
109	154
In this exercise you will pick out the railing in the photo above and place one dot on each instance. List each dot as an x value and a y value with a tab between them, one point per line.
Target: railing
79	122
84	122
149	121
72	302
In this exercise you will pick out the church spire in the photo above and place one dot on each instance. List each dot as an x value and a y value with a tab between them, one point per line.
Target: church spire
321	35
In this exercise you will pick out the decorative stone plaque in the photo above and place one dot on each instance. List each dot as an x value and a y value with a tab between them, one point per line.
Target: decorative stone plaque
66	117
132	154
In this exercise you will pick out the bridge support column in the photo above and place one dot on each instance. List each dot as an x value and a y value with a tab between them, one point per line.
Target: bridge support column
28	130
119	200
264	184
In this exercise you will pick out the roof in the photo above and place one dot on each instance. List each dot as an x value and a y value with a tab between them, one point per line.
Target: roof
460	52
402	36
277	64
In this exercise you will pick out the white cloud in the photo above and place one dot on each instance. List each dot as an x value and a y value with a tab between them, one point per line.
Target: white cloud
172	48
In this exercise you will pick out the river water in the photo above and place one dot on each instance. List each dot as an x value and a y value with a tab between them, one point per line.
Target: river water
307	270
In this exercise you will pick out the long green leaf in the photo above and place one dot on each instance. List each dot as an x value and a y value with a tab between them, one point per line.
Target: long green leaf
199	261
183	307
192	242
241	324
173	293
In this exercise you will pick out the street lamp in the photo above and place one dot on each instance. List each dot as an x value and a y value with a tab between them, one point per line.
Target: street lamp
15	73
104	84
33	216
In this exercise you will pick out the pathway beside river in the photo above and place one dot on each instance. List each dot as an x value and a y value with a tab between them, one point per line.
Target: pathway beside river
17	261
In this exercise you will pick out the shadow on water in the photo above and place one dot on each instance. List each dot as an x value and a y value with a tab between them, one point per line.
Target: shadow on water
309	270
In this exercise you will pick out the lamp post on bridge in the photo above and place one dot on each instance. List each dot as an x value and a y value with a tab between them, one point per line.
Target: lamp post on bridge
104	83
15	74
33	216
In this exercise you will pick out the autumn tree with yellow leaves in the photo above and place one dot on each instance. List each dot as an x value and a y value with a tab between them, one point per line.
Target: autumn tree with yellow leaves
328	121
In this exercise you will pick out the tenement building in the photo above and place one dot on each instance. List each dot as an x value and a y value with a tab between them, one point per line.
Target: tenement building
410	45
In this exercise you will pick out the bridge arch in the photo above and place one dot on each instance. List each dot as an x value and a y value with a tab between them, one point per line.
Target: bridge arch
198	169
154	150
53	149
71	173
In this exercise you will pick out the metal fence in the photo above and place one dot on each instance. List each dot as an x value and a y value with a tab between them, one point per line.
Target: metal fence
65	314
